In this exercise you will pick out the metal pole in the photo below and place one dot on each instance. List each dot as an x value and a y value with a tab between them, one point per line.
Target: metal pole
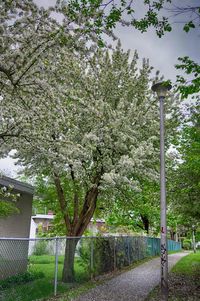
56	267
163	221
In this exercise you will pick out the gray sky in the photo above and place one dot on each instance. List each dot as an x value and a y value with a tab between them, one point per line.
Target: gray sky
162	52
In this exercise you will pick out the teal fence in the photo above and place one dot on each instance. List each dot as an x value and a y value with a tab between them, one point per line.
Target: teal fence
153	246
173	245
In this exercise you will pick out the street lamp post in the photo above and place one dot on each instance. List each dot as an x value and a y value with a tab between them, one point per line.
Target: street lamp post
161	88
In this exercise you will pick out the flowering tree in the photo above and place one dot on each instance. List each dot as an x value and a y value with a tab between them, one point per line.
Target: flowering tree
30	38
95	130
26	34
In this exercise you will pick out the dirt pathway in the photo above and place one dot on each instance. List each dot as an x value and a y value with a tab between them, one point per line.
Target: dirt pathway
133	285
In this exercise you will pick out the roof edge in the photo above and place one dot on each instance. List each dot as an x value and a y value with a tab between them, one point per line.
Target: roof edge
17	185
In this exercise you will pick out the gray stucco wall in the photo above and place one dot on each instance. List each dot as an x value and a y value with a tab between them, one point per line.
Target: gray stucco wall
18	224
14	253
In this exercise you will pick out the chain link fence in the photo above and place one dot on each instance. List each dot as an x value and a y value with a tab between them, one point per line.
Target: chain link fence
32	269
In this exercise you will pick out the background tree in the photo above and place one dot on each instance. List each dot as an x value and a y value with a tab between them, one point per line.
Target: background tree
186	176
138	211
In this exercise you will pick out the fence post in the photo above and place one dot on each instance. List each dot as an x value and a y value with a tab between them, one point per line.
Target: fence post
56	267
92	258
137	247
129	258
114	249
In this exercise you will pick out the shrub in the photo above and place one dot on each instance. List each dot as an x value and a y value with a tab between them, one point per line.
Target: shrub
187	244
40	248
198	246
102	255
84	251
121	251
20	279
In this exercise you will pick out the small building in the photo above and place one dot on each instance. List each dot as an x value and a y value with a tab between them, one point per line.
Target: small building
97	226
41	223
13	250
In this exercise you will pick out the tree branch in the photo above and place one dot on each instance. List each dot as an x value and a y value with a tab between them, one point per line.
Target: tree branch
87	211
89	206
76	199
7	73
62	202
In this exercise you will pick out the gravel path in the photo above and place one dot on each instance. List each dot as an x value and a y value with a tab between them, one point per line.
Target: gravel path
133	285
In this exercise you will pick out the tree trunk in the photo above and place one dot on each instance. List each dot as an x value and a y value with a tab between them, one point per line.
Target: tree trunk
172	234
68	275
145	222
78	224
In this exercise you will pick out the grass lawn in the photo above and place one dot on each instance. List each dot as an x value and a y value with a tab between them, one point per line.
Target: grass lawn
188	265
184	280
46	264
44	287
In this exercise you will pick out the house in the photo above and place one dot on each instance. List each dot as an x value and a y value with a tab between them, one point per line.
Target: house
13	250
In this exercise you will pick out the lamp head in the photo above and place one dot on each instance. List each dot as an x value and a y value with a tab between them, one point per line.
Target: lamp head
161	88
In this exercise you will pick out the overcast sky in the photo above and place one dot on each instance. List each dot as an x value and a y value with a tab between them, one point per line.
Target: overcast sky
162	52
